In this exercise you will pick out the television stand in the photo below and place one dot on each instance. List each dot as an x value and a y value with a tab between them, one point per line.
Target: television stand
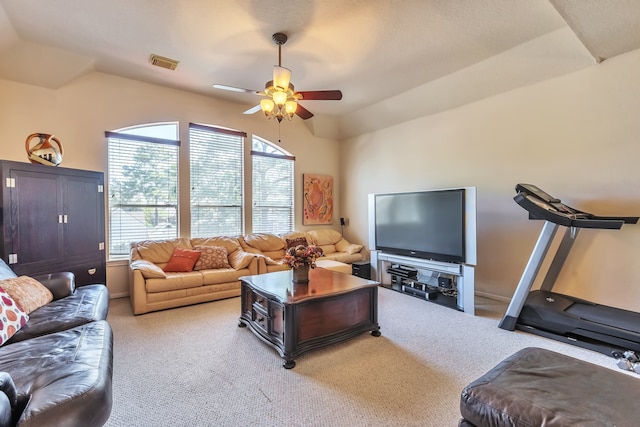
400	273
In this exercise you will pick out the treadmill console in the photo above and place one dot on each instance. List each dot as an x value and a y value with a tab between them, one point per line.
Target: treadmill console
542	205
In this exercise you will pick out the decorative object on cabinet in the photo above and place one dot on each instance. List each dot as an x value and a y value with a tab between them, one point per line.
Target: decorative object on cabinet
317	199
47	151
52	219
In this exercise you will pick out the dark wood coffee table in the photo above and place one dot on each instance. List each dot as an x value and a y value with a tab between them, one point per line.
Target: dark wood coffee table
296	318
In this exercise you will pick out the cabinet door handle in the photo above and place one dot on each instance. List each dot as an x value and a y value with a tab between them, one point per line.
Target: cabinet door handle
91	271
59	219
64	219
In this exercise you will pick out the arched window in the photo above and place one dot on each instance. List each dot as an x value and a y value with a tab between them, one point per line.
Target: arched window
273	188
142	185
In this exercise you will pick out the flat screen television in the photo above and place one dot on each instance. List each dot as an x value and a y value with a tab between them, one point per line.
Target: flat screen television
432	225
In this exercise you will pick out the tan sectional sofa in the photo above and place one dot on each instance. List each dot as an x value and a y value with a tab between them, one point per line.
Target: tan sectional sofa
151	288
271	248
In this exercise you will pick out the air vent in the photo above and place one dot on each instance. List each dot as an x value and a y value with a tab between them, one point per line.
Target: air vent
161	61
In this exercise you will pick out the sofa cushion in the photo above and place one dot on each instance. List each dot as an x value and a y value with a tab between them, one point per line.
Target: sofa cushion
174	281
230	243
211	257
148	269
67	376
12	318
344	257
27	292
328	249
240	259
158	251
182	260
265	242
325	236
222	275
89	303
346	247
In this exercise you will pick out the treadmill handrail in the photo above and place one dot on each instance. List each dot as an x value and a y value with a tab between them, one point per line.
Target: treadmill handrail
542	210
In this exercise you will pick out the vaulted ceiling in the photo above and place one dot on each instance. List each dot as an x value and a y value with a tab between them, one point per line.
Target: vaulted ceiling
393	60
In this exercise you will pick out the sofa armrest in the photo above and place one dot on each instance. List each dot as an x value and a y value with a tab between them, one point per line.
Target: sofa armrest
61	284
254	266
8	401
137	292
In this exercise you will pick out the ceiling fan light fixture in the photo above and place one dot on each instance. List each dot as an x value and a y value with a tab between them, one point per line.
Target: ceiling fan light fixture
267	106
281	78
291	107
280	98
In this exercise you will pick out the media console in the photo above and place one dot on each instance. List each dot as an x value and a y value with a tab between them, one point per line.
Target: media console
454	286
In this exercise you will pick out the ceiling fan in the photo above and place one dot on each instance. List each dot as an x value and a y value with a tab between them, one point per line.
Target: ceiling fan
280	98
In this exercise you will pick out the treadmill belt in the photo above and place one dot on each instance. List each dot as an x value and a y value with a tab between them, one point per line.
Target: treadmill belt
609	316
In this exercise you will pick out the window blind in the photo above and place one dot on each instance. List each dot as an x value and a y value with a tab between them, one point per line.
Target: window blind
143	190
217	181
273	189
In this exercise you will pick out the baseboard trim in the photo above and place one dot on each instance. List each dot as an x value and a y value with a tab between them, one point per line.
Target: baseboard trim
119	295
493	296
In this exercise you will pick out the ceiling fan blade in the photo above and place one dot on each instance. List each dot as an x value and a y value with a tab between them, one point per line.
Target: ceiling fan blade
303	113
321	95
236	89
252	110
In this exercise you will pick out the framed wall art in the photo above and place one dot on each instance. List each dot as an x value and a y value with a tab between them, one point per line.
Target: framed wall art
317	191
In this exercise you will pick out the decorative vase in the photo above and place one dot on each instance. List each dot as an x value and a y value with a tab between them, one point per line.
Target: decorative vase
47	151
301	274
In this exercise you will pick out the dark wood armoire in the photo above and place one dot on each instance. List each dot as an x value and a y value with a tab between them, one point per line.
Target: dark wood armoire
53	220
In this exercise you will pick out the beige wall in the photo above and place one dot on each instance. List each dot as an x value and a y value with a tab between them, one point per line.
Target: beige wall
80	112
577	137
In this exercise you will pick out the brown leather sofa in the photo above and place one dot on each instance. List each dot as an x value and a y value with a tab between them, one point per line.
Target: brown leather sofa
57	369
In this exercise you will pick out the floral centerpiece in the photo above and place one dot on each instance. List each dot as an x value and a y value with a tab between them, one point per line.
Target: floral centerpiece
301	259
300	255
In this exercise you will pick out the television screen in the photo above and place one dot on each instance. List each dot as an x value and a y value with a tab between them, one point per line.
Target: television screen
425	224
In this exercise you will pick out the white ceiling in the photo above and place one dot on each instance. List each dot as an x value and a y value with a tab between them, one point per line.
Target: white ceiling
393	60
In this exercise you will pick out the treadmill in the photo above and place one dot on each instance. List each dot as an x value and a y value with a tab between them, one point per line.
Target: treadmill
543	312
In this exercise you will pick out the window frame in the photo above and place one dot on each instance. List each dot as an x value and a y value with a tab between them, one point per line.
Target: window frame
276	153
168	204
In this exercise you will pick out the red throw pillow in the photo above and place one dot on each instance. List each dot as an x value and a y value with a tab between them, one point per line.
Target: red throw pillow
182	260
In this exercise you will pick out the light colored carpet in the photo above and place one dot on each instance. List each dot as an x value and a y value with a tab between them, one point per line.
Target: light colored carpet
194	366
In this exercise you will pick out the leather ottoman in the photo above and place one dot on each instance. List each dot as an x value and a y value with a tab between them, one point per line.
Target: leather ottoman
536	387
